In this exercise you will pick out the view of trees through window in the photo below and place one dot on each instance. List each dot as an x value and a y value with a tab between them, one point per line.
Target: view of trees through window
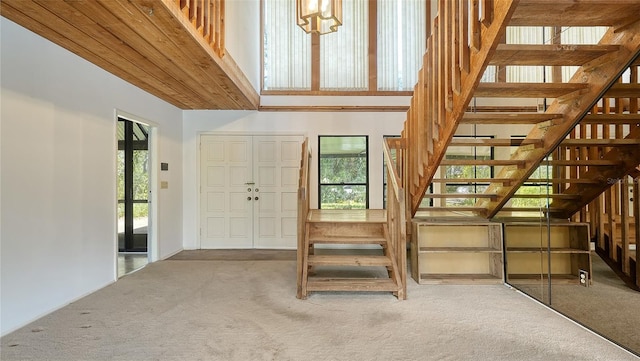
467	172
537	187
343	172
140	182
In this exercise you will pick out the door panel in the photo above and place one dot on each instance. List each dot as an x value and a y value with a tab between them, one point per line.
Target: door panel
226	213
249	191
277	163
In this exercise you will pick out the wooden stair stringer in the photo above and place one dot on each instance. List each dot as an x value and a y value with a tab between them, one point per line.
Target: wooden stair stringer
600	75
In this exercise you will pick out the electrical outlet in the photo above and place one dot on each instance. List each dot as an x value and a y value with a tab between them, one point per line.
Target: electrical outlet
583	277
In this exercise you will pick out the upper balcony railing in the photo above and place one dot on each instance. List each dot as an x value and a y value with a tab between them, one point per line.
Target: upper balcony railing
207	16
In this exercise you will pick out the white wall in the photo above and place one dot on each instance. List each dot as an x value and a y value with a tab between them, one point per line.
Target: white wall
310	124
242	34
58	188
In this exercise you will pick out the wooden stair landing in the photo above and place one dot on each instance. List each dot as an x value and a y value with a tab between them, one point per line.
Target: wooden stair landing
348	251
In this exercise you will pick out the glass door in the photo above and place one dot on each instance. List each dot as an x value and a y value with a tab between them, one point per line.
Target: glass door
133	186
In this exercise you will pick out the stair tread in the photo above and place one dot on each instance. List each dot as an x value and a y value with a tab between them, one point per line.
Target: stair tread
549	54
351	284
347	240
352	260
348	216
527	90
506	117
572	13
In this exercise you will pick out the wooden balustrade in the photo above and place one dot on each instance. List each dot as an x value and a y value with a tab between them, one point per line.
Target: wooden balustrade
464	36
396	212
615	214
615	224
207	17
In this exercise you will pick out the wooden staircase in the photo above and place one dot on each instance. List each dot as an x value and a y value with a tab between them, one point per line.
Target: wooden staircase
470	37
349	250
352	250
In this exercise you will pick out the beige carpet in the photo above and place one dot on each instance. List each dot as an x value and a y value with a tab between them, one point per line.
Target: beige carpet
247	310
608	306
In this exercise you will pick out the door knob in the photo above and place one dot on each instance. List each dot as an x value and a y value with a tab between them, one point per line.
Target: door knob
248	189
256	198
248	198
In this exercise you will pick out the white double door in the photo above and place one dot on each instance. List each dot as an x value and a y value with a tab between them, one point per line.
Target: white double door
248	191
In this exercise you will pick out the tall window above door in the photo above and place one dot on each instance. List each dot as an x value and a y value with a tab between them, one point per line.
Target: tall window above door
377	50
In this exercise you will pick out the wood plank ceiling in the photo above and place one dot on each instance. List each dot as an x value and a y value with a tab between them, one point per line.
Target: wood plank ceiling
150	44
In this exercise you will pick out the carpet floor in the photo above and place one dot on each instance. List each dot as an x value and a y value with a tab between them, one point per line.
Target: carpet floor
247	310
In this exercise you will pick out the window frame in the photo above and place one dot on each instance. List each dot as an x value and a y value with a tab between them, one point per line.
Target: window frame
475	185
534	202
315	60
366	157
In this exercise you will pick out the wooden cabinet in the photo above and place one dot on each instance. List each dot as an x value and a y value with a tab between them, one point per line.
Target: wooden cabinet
444	251
528	246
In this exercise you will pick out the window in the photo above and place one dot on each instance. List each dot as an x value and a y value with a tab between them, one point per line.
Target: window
282	39
468	174
294	61
537	183
343	172
401	43
538	186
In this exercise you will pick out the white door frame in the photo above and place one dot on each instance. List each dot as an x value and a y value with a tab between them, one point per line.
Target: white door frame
152	228
198	180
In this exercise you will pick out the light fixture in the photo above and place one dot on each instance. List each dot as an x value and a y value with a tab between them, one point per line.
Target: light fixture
319	16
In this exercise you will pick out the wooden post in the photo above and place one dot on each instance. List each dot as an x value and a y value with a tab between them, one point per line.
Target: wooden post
636	215
624	223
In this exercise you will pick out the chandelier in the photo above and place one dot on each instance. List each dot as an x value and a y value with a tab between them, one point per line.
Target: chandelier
319	16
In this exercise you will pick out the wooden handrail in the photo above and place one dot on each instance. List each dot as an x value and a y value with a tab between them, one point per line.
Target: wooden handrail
207	17
396	213
303	208
464	35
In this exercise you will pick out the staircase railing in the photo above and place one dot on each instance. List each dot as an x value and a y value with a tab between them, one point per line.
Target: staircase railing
207	17
463	38
303	208
396	213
